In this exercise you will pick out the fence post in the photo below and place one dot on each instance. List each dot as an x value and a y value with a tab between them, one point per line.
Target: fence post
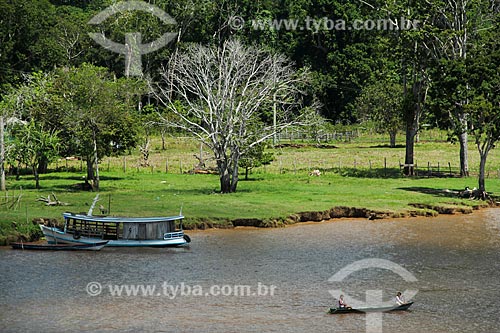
428	169
166	166
385	166
449	167
124	164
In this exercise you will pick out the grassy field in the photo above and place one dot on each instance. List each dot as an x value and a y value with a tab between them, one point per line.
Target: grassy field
353	174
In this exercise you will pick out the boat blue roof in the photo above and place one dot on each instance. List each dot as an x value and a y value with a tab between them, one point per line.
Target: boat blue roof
118	219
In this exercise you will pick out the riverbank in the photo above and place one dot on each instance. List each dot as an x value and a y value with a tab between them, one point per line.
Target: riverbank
339	212
268	200
283	193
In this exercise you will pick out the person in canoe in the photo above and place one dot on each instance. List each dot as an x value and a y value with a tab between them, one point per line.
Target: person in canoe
400	300
342	304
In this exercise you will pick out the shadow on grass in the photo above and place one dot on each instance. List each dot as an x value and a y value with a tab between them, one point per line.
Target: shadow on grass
433	191
368	173
54	176
384	146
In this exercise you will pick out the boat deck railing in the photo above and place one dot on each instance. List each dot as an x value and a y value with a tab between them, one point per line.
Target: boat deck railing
172	235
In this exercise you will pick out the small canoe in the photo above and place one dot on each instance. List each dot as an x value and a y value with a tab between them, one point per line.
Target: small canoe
403	307
59	247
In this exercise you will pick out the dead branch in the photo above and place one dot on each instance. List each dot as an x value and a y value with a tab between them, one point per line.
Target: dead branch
52	202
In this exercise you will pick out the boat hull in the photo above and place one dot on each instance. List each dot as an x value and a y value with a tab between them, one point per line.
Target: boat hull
403	307
55	235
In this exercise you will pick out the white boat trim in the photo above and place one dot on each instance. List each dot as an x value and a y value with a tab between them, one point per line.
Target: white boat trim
113	219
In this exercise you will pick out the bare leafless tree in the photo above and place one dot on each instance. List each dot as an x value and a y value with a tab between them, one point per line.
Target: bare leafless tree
219	93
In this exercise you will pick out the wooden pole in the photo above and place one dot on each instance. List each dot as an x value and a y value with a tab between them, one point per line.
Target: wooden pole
385	166
2	154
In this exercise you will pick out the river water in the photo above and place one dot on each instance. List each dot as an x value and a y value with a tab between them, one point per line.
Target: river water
455	260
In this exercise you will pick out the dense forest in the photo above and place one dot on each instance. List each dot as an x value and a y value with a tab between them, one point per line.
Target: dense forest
395	64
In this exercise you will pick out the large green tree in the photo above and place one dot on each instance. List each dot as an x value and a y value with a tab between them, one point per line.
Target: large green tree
98	114
381	102
32	145
483	109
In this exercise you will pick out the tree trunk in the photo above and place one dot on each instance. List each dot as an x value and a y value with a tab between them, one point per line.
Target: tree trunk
162	140
419	93
464	155
90	171
409	169
95	181
246	173
43	166
2	155
482	171
225	180
392	135
462	139
234	178
37	176
18	171
228	175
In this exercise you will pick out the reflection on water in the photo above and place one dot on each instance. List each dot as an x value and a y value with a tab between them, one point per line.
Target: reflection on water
455	259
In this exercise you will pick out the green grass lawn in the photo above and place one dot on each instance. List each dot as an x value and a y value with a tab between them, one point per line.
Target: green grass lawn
274	191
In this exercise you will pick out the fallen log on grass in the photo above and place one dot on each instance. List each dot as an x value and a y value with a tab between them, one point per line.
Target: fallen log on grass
49	202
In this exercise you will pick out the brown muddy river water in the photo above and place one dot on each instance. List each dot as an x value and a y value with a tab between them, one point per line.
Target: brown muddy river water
455	260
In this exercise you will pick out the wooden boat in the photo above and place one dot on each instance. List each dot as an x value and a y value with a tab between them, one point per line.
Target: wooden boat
119	231
58	247
403	307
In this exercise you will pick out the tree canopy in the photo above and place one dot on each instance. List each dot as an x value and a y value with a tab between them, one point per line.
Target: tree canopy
422	49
